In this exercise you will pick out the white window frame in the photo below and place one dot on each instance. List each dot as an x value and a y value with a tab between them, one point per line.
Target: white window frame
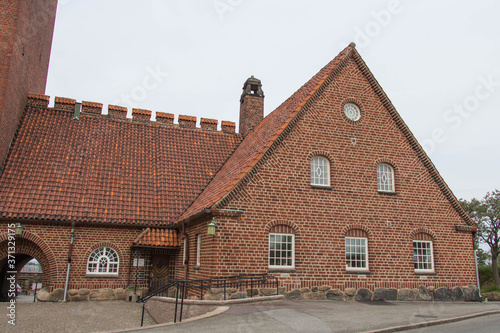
365	246
275	257
97	256
384	169
319	161
198	250
431	255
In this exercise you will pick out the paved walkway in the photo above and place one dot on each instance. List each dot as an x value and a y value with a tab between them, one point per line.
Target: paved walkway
298	316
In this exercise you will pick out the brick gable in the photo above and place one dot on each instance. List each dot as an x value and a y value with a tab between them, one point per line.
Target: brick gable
278	188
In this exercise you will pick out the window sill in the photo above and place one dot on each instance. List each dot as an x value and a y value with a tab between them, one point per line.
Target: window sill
425	273
388	193
282	270
100	275
358	272
197	267
322	187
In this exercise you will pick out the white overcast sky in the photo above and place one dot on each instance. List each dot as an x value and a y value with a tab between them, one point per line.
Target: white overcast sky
438	61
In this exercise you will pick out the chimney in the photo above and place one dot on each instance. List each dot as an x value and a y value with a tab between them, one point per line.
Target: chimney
251	105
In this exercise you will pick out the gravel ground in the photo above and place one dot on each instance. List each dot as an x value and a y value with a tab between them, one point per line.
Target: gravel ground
74	316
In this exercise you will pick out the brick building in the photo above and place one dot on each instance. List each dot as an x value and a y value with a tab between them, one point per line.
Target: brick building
330	189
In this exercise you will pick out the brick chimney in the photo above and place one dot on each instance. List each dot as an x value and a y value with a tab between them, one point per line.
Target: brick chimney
251	105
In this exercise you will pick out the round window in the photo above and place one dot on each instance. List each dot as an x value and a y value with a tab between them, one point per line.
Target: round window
352	111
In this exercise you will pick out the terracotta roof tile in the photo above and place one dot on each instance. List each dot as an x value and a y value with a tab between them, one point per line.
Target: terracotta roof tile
102	169
158	238
258	141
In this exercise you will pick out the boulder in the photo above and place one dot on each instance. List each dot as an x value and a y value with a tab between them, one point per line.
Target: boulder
471	294
363	295
443	295
315	289
314	295
56	295
268	291
406	295
252	292
84	291
431	288
119	293
350	291
457	295
72	292
212	297
324	288
43	294
239	295
294	294
424	294
304	290
335	295
384	294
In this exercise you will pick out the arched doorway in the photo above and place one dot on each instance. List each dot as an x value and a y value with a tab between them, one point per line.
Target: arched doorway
26	248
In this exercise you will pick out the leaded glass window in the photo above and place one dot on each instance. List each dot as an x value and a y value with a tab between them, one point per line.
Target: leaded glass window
385	178
320	171
103	260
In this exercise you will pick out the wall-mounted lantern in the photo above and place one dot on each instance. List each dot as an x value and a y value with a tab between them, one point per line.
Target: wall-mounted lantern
211	227
19	230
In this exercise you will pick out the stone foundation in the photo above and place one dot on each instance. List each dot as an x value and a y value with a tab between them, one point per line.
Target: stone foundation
74	295
423	293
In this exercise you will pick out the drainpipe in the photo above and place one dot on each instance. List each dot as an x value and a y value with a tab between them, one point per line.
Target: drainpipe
475	264
69	259
186	264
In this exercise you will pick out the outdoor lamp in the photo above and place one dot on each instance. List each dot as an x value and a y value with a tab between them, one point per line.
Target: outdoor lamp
19	230
211	227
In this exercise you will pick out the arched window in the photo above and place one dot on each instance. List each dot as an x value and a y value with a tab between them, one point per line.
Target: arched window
385	178
320	171
103	260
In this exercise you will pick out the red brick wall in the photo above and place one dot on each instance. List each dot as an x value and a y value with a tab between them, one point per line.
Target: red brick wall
50	244
281	193
25	40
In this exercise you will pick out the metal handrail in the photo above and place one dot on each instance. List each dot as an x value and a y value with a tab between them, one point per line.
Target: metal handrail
242	282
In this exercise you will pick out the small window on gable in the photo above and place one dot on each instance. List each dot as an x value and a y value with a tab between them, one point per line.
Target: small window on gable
320	171
385	178
103	261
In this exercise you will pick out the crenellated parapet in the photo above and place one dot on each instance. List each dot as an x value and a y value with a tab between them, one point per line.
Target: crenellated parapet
87	108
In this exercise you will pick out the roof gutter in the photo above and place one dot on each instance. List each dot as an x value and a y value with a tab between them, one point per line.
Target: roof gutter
84	222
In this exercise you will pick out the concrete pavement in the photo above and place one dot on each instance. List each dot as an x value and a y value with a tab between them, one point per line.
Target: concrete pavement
328	316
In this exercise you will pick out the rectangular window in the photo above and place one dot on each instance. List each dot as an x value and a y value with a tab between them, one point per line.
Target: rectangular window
356	254
281	250
423	259
198	249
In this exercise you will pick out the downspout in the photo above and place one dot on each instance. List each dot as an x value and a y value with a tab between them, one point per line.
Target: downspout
186	264
475	264
69	259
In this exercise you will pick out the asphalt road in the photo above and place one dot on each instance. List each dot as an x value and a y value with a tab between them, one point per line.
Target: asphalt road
486	324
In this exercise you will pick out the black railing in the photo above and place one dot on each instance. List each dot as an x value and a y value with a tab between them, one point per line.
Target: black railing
184	287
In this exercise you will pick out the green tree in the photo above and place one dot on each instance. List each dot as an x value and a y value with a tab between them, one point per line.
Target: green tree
486	214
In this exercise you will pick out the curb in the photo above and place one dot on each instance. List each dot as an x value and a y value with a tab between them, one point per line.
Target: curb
219	310
433	323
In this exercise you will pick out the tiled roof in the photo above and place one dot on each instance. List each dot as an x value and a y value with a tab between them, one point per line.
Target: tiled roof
158	238
103	169
257	142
